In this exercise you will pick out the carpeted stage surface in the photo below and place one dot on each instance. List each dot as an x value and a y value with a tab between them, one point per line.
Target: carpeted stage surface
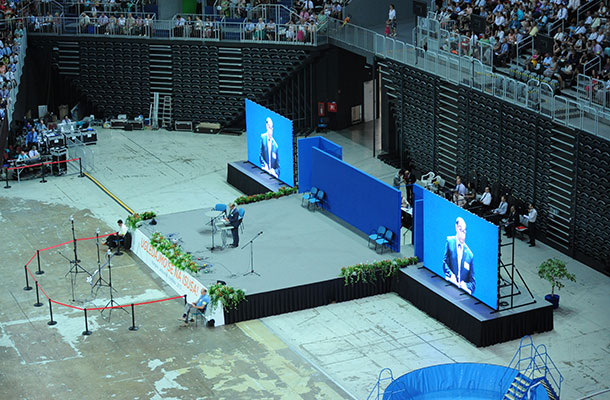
297	247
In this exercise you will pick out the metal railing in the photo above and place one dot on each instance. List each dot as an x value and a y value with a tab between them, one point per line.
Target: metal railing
593	91
583	9
10	109
197	30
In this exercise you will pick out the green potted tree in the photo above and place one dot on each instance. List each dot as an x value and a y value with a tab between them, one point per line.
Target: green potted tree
554	271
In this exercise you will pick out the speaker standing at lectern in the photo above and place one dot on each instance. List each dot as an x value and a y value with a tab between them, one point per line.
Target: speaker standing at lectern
233	220
269	156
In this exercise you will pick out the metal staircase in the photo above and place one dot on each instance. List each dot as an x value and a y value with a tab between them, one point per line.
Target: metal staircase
68	58
377	392
166	114
447	138
535	368
561	181
160	70
231	71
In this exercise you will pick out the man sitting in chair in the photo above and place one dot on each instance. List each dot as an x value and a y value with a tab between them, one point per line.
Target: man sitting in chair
200	305
115	240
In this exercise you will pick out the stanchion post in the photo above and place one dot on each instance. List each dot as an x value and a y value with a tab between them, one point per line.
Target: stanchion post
51	322
86	332
27	283
80	167
133	326
7	186
43	180
184	299
38	303
39	272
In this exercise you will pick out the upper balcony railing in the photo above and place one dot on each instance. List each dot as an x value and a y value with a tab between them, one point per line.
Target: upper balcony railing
172	29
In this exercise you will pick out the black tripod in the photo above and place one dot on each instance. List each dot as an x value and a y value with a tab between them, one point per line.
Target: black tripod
100	280
251	243
74	264
111	302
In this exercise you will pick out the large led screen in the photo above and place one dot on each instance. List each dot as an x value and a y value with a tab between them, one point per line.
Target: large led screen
269	137
461	247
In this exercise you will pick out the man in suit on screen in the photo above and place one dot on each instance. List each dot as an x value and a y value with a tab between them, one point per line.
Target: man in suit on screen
269	157
458	262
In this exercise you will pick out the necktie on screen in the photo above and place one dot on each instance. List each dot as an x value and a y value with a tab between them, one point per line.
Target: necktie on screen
459	279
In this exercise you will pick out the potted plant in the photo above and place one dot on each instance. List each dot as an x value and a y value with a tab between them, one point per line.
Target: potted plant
554	271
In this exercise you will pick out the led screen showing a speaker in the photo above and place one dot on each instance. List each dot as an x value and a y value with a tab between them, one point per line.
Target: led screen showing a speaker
270	146
461	248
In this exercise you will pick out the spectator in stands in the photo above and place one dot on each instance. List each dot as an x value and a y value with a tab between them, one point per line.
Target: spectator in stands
392	19
84	22
458	199
102	23
33	154
22	156
31	137
399	178
249	29
500	212
270	30
259	33
179	26
207	28
501	53
459	186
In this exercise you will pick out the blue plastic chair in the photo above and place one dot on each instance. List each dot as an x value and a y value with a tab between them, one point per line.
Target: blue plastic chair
309	195
385	240
377	235
221	207
317	200
241	213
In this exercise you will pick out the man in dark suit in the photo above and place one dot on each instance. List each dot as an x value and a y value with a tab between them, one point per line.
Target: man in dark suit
269	157
458	262
233	220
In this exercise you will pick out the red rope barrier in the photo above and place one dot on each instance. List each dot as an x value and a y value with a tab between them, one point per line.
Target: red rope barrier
80	308
42	163
66	305
28	263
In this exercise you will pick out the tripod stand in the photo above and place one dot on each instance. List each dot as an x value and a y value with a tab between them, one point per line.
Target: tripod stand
100	280
111	302
251	243
76	262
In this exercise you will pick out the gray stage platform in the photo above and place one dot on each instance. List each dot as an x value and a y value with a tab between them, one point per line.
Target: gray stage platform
298	247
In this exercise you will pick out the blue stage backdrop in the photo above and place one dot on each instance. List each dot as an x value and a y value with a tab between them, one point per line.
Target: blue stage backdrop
280	155
356	197
304	151
478	239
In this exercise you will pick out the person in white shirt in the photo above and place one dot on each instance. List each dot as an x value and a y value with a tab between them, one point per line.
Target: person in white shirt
486	197
392	19
531	217
115	239
33	153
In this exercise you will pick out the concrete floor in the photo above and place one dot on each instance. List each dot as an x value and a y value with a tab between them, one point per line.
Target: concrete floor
331	352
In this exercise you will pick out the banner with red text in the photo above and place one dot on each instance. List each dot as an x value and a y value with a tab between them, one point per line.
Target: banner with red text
181	281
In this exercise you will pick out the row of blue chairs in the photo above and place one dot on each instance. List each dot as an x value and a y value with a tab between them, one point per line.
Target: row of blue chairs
382	238
313	198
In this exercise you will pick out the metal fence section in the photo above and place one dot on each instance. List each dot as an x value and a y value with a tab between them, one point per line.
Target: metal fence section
78	149
12	99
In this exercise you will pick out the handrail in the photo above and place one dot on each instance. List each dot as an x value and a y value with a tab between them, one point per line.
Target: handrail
589	396
377	387
14	91
587	6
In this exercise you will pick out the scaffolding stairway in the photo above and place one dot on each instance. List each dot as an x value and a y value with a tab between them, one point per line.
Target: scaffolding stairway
166	113
231	71
447	138
160	70
68	58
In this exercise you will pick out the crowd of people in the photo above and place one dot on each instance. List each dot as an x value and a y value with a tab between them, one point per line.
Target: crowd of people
578	39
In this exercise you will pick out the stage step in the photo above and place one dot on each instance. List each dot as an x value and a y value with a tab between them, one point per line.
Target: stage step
518	388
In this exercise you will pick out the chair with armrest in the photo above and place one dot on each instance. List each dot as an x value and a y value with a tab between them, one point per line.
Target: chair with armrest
201	315
309	195
377	234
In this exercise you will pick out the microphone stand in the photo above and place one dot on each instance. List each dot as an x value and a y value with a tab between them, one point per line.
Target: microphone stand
111	302
251	243
100	280
74	268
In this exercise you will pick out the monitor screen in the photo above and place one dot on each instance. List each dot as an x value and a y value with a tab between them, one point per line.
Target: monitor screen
270	146
461	247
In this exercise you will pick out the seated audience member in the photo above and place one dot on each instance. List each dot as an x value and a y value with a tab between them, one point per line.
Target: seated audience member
114	240
200	304
458	199
22	156
459	186
512	221
33	154
484	201
498	213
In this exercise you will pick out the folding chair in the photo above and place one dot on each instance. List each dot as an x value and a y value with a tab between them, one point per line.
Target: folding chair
385	240
317	200
205	319
241	213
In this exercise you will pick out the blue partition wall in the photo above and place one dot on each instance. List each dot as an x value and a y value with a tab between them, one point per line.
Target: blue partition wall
356	197
304	151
